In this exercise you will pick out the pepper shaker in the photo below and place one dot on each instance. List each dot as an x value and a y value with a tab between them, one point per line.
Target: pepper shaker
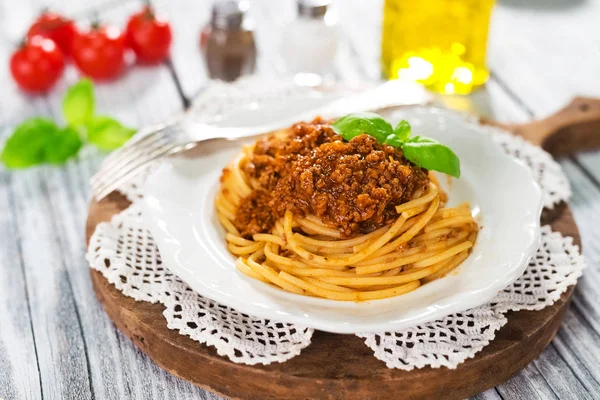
310	41
227	42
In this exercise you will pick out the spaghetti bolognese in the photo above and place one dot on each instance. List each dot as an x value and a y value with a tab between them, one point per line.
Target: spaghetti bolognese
351	220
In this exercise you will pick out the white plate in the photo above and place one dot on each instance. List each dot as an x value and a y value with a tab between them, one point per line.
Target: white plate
178	210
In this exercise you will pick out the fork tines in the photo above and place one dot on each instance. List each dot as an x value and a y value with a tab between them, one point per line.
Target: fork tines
129	160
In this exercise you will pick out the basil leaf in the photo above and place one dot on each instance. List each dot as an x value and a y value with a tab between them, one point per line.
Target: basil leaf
353	125
430	154
27	144
393	141
78	103
402	130
64	145
107	133
422	139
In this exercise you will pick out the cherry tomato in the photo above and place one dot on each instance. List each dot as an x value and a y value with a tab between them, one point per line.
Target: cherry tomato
55	27
148	36
37	65
100	52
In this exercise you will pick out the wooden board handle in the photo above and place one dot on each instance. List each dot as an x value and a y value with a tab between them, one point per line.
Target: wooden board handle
574	128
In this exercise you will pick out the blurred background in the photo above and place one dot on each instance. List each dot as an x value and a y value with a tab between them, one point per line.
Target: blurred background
513	60
542	51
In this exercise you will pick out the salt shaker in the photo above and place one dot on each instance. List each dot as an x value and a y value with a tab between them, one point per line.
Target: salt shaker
227	42
309	42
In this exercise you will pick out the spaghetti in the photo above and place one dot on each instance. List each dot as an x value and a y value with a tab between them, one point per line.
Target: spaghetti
410	240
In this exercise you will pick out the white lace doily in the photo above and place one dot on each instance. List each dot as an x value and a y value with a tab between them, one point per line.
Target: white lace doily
546	171
453	339
124	252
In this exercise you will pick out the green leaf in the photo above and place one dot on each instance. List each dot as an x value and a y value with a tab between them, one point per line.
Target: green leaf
400	134
402	130
65	144
430	154
107	133
393	140
78	103
27	145
353	125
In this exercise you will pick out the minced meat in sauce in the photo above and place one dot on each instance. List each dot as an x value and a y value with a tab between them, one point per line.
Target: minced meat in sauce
352	186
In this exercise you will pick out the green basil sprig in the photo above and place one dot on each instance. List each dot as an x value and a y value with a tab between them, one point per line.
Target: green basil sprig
422	151
40	140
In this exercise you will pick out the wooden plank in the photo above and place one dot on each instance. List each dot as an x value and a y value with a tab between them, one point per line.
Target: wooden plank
528	66
529	384
590	161
570	353
19	369
560	371
119	369
586	210
154	383
143	96
80	355
546	53
493	101
491	394
61	348
19	375
66	203
587	214
578	340
559	377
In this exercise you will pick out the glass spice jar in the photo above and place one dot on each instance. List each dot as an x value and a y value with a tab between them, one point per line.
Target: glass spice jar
309	42
227	42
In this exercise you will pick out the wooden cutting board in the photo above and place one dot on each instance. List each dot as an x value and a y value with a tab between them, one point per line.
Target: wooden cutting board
341	366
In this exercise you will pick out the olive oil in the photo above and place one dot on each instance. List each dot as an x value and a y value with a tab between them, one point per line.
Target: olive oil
439	43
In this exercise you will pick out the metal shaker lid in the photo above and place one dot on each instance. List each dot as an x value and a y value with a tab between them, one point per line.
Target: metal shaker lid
229	14
313	8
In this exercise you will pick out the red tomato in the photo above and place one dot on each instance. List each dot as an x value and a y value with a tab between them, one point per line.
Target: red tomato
148	36
55	27
100	52
37	65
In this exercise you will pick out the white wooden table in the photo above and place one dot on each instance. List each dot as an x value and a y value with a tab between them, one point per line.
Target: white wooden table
55	340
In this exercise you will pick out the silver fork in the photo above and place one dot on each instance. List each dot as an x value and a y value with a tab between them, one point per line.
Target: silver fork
169	139
164	141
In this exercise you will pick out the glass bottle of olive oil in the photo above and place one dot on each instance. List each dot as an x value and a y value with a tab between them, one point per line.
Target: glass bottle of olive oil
439	43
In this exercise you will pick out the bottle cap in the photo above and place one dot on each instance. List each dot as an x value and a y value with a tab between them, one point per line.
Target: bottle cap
313	8
229	14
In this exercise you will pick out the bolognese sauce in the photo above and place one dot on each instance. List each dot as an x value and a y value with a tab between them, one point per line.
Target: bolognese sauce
351	186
